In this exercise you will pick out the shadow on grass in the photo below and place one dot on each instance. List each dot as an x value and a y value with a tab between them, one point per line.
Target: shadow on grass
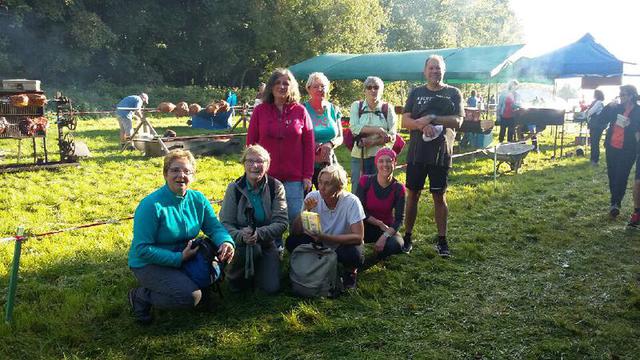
532	275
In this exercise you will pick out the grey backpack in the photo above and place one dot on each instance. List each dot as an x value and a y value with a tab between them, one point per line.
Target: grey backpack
314	271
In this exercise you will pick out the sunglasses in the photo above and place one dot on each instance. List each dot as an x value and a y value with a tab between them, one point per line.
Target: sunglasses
373	87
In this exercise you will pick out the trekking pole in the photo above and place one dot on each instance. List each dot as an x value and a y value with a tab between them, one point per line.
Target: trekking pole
495	167
13	280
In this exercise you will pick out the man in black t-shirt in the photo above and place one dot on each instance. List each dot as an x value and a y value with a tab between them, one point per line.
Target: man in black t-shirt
432	113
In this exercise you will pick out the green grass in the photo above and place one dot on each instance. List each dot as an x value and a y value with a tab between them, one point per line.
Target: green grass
539	271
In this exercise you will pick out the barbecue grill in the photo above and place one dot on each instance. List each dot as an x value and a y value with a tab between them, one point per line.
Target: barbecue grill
542	117
20	126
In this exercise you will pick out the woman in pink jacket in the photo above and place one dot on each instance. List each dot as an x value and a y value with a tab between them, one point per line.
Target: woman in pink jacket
282	126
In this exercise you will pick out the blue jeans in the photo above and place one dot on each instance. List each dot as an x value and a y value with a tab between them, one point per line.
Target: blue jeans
294	193
369	168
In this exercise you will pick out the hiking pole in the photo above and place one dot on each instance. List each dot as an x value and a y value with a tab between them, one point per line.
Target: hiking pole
13	280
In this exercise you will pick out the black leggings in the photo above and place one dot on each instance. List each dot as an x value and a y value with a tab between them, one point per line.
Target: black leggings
595	133
508	126
619	164
393	245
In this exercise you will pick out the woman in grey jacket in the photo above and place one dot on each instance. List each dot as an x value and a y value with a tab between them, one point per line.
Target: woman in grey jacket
254	212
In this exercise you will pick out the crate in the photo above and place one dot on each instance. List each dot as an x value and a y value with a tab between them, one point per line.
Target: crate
20	85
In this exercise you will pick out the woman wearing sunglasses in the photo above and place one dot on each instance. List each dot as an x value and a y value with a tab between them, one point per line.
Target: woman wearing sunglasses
621	143
373	124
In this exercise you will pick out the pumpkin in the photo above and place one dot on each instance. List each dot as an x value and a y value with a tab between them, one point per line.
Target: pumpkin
182	109
166	107
194	109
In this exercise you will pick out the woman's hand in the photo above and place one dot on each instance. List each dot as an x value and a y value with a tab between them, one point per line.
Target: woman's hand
383	227
307	184
249	236
310	203
188	252
225	252
378	247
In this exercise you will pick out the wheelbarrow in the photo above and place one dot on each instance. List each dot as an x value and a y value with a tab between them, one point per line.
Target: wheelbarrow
512	154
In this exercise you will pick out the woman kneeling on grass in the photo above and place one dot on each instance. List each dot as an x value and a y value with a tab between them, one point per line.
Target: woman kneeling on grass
382	198
254	211
165	225
341	216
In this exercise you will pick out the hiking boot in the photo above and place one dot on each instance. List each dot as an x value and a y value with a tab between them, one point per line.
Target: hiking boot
408	244
635	220
614	211
442	248
350	279
140	309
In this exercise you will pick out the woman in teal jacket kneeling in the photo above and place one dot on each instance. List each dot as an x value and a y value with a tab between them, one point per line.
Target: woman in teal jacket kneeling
165	225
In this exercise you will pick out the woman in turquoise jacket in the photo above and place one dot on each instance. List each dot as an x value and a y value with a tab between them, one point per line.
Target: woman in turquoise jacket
165	224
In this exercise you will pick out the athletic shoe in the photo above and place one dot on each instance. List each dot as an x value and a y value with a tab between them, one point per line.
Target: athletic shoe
408	244
350	279
442	248
614	211
635	220
140	309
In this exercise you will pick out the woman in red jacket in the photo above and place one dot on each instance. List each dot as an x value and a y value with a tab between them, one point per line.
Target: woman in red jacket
282	126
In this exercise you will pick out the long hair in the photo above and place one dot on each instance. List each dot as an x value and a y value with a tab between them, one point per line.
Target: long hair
294	92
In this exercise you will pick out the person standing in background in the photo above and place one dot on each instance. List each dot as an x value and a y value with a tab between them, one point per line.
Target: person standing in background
128	108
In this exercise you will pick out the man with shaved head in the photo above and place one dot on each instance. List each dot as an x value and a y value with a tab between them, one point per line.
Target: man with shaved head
432	113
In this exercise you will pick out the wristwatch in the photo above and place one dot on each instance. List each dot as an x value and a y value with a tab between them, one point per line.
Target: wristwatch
386	235
432	117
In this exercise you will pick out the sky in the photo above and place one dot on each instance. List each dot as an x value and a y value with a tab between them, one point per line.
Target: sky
550	24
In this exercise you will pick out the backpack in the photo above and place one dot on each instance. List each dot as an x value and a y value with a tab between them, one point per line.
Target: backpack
203	268
314	271
349	140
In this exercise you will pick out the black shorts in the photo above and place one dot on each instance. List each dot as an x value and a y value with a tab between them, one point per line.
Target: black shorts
417	174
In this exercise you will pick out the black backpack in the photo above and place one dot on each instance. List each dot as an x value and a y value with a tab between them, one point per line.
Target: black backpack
384	112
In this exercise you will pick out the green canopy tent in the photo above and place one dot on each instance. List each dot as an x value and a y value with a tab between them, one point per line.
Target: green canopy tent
318	63
464	65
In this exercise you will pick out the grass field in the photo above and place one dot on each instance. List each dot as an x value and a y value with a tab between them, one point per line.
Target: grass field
539	271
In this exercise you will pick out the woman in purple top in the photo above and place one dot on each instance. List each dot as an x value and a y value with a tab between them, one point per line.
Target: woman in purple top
382	197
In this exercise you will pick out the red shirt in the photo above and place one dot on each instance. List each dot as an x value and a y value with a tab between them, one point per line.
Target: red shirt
287	136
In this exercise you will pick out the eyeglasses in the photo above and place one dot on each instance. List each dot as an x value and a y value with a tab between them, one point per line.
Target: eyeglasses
624	94
254	162
318	86
373	87
178	170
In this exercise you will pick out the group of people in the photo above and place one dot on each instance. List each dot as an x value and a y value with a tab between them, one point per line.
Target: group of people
290	149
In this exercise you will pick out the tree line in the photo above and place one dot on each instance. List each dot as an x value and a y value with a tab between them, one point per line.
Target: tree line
229	43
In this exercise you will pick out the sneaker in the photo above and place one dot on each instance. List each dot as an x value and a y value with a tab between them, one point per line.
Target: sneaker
635	220
350	279
140	309
442	248
408	244
614	211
